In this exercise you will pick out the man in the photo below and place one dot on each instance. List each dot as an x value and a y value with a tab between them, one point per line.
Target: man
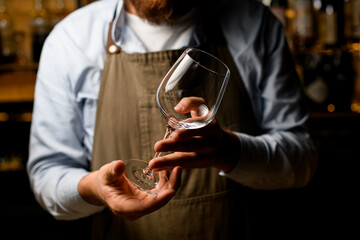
257	141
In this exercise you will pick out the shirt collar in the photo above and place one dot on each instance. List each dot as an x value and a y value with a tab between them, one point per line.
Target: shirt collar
119	20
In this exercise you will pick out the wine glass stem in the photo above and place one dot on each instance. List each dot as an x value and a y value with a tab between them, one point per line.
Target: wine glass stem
167	135
147	171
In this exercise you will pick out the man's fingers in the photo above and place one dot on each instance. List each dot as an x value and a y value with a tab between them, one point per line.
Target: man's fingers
154	202
114	170
195	144
211	129
188	104
184	160
118	167
174	184
175	178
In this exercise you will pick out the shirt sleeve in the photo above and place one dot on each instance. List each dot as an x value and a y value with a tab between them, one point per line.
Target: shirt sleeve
60	151
283	156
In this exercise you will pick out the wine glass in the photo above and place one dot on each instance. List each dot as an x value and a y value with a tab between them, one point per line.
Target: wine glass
197	78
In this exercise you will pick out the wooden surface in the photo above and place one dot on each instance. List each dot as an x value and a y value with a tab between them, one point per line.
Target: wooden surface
17	86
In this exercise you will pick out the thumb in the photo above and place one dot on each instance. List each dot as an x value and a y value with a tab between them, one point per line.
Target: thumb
115	170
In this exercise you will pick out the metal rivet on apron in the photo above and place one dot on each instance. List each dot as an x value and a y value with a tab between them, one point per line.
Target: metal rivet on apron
113	49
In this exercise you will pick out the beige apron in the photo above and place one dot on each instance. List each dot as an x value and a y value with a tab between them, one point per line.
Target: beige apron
207	206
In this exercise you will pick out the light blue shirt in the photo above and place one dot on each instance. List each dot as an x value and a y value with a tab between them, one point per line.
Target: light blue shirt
68	83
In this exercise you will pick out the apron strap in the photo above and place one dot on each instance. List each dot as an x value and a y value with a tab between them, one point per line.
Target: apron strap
111	47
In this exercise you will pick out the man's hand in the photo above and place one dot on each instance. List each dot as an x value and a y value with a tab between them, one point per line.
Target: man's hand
210	146
109	187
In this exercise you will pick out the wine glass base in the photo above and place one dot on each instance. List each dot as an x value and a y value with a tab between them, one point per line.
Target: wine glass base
138	173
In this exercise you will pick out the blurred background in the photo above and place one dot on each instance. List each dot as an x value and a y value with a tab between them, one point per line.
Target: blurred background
324	38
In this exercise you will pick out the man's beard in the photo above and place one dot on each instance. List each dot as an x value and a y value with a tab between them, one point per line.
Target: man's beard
157	11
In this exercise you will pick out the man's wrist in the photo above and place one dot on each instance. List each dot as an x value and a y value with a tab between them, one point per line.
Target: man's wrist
229	152
87	189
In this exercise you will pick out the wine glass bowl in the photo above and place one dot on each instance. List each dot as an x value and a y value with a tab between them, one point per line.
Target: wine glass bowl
195	75
188	97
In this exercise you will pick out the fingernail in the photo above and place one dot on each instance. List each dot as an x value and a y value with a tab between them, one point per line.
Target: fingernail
179	108
150	164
